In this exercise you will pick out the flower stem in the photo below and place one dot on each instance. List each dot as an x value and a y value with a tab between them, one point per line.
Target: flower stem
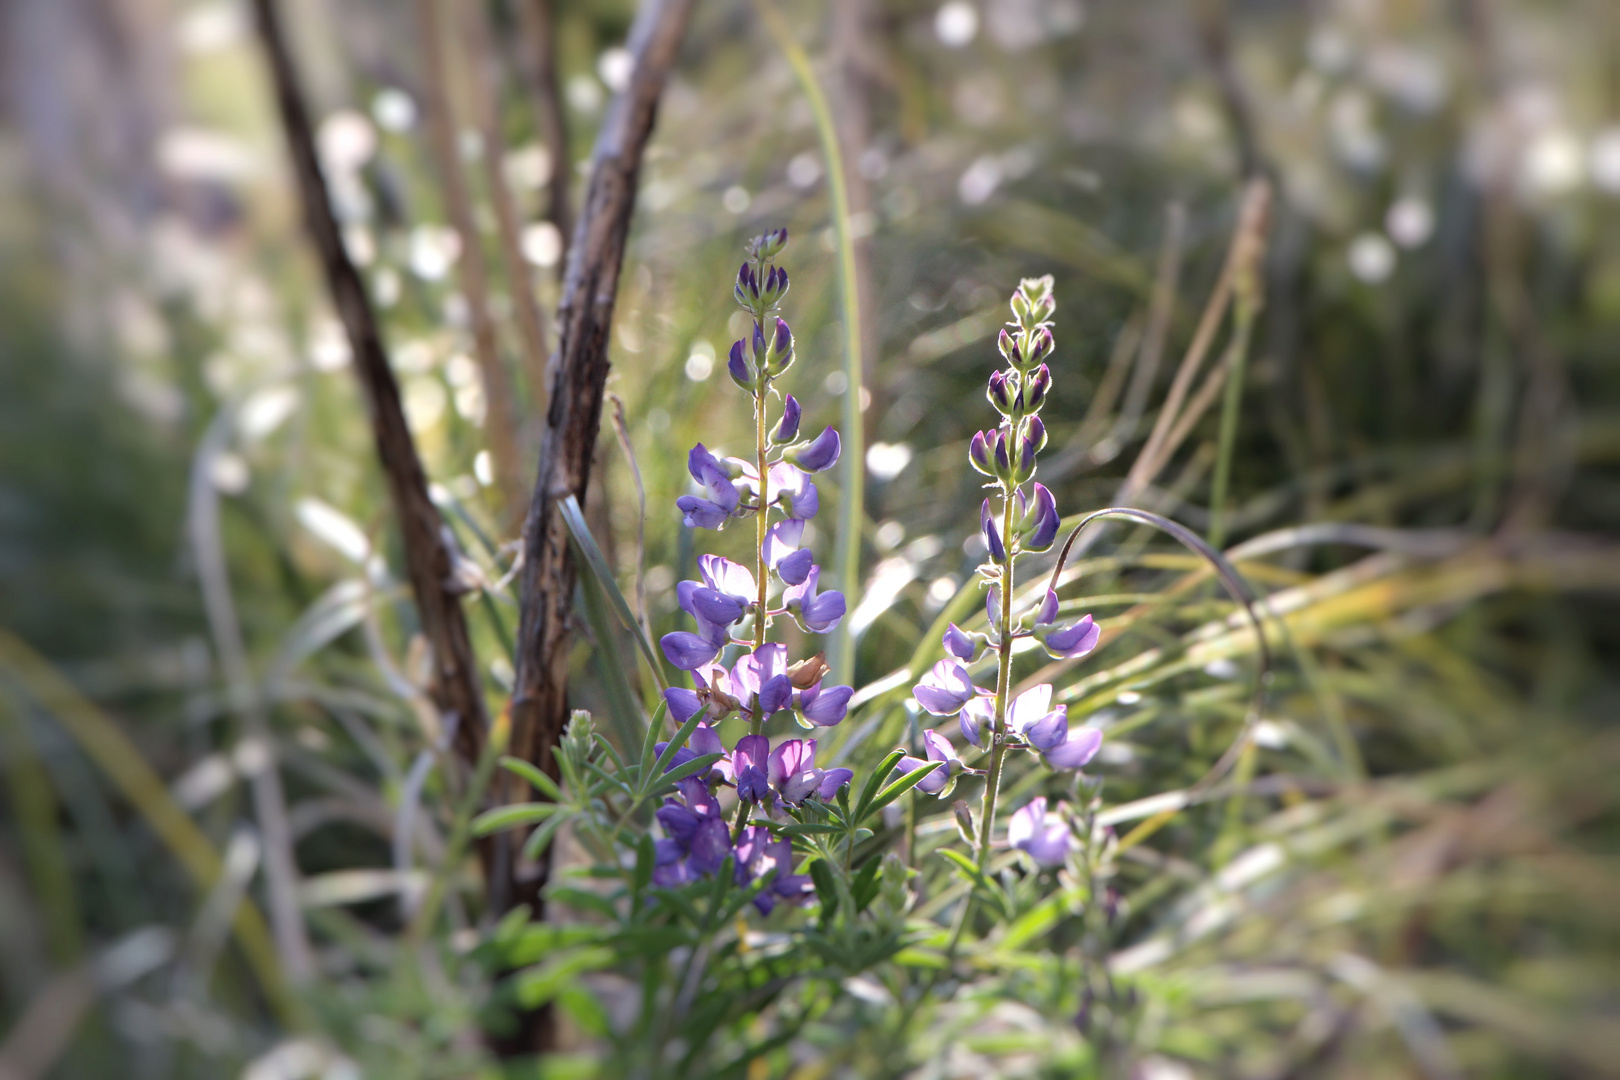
761	571
998	752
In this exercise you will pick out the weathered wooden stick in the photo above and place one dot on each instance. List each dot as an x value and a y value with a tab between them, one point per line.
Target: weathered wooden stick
584	319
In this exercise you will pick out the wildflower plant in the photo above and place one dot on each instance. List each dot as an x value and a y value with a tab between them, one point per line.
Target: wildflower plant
684	866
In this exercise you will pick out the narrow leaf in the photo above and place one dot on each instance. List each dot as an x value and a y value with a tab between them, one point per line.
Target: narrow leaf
542	783
507	817
901	786
869	789
574	518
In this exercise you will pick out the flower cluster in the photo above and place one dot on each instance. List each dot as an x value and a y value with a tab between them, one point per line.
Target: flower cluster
1023	518
732	608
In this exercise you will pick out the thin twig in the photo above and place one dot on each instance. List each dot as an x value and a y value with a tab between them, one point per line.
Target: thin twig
428	556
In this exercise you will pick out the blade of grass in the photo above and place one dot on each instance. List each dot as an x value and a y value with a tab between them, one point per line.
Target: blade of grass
597	563
852	483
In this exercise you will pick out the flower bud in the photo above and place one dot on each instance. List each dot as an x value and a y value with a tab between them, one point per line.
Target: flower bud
999	457
1038	525
747	290
1040	346
964	821
992	535
992	604
1009	348
737	366
1001	390
787	429
1036	387
768	245
979	453
780	357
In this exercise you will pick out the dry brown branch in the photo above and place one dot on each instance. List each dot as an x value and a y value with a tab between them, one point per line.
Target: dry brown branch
428	555
500	417
584	317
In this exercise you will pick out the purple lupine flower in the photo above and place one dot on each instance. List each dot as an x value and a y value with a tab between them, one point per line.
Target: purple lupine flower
1033	439
1033	708
976	716
992	535
816	612
731	578
781	540
938	748
945	688
794	774
792	488
1038	526
719	499
960	644
779	355
992	606
787	428
712	695
818	454
1047	613
823	706
1007	344
763	673
1074	640
1076	750
1029	832
749	762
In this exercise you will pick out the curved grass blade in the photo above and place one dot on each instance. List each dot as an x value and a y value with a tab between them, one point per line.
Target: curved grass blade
574	518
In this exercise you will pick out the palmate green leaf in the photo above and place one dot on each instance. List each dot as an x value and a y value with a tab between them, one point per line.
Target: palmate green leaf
1033	923
967	866
648	780
508	817
597	563
649	742
542	783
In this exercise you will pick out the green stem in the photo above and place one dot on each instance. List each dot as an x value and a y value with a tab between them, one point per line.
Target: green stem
998	752
852	478
761	571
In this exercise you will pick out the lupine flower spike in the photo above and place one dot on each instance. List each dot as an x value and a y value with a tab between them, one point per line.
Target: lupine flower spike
732	612
1020	516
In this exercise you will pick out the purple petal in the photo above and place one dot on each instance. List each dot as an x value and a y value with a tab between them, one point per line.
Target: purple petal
1076	639
1075	751
825	706
787	429
683	703
959	644
1049	730
794	568
832	780
938	747
687	651
700	513
931	783
1048	611
711	843
820	454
